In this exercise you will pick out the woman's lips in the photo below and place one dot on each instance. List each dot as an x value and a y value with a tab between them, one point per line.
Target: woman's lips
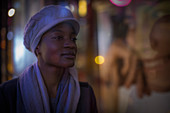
69	55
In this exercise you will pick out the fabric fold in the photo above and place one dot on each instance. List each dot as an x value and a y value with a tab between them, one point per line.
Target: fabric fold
32	92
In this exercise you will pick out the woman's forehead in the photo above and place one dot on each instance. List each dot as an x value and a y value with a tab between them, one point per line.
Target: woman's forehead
63	25
60	28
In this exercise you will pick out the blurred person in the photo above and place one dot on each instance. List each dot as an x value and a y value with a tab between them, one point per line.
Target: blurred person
160	40
157	73
123	67
51	84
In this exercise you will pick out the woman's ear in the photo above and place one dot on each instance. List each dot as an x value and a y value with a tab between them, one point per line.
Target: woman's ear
37	51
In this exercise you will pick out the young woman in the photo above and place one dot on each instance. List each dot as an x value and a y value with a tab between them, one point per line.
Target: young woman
51	84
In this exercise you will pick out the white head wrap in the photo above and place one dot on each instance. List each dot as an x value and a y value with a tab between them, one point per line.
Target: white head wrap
45	19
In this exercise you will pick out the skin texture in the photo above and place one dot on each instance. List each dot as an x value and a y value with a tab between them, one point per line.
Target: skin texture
56	52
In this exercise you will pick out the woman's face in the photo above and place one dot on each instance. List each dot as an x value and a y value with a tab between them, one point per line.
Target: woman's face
58	46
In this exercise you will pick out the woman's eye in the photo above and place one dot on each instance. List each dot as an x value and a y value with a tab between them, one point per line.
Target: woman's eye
74	39
58	37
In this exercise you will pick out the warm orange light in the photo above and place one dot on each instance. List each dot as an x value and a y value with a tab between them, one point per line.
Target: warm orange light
82	8
99	60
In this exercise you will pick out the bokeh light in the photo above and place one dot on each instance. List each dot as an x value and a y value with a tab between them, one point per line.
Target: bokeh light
11	12
82	8
10	35
70	7
99	59
120	3
18	49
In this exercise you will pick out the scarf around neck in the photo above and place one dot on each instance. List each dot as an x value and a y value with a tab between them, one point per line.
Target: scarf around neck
32	92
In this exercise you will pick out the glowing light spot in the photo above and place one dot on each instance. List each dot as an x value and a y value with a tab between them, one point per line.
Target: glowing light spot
99	60
70	7
18	49
67	7
10	35
11	12
82	8
3	44
120	3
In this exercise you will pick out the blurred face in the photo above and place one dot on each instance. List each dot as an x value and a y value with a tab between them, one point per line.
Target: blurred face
160	39
159	69
58	46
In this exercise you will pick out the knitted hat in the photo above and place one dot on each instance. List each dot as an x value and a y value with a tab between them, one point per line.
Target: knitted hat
45	19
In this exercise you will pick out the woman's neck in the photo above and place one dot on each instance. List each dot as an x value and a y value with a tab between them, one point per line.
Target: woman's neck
52	77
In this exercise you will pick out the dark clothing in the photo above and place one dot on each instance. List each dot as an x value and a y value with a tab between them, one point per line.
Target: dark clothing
8	98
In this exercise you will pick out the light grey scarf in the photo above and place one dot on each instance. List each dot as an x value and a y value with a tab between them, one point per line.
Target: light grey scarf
32	92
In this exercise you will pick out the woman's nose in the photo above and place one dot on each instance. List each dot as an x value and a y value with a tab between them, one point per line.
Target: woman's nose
69	44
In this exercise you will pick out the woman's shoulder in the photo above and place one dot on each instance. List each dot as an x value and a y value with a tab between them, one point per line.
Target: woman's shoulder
87	102
86	88
8	92
9	85
8	88
84	84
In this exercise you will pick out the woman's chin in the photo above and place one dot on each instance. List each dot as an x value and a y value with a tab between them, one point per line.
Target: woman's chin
67	65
